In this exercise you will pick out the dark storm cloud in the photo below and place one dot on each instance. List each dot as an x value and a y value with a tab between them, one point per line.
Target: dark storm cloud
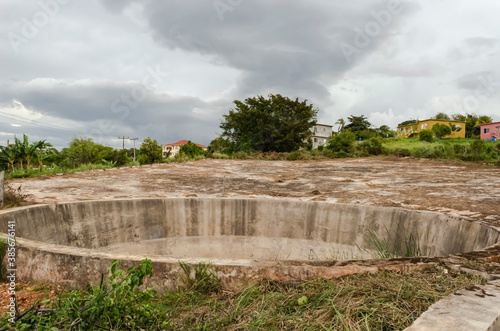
103	112
278	45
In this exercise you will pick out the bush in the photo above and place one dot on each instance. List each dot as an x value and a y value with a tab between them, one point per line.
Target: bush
401	152
114	305
477	150
373	146
298	155
441	130
343	143
427	135
216	155
191	150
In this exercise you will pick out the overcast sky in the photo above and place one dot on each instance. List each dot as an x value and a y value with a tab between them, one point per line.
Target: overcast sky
170	69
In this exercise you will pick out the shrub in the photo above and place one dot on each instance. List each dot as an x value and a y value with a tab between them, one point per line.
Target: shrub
216	155
342	143
427	135
401	152
477	150
298	155
441	130
191	150
373	146
114	305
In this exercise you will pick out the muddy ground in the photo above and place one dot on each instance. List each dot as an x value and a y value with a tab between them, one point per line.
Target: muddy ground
460	189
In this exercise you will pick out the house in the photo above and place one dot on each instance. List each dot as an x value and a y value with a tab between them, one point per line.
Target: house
413	129
490	131
320	134
173	149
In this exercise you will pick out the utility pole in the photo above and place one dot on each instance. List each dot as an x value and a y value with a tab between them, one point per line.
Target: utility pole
134	139
123	141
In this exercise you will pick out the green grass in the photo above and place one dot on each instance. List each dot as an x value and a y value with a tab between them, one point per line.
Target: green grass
381	301
457	149
413	144
31	173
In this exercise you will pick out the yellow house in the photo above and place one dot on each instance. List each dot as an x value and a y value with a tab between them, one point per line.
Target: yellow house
413	129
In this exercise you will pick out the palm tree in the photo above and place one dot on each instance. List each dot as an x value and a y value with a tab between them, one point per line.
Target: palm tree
28	152
41	152
341	123
9	154
20	146
33	150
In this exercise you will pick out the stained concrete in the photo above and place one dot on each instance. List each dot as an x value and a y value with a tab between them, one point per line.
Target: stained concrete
76	242
476	308
121	225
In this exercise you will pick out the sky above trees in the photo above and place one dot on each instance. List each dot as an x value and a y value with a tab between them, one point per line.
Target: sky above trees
171	69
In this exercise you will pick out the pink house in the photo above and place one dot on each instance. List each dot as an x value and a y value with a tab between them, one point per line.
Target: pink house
490	131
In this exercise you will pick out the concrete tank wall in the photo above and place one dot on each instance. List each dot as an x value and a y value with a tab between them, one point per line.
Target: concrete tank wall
67	243
100	224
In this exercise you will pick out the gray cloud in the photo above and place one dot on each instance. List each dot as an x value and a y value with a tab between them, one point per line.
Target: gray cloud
89	55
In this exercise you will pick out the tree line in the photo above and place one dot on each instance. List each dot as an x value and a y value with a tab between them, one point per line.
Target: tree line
260	124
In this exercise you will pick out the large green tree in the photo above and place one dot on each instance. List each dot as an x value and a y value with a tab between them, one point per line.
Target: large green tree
275	123
150	152
358	124
442	116
441	130
472	123
85	151
22	152
191	150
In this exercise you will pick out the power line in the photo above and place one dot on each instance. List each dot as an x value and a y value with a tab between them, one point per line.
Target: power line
49	126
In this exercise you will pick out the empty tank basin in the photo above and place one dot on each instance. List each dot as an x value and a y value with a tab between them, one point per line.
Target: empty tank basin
78	240
246	229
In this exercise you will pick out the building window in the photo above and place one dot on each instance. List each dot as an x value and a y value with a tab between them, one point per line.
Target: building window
497	129
315	140
486	130
424	126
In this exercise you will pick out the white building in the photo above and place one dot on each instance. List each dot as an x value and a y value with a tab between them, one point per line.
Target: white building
320	134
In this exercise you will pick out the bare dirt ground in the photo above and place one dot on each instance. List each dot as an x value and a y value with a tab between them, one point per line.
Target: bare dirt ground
467	190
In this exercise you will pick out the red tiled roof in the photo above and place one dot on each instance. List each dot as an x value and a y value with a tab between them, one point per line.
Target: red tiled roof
184	142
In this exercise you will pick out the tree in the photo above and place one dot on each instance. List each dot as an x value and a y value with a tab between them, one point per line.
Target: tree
191	150
9	155
357	124
385	132
441	130
22	152
341	123
442	116
150	152
342	143
220	145
407	122
45	154
83	151
472	123
274	124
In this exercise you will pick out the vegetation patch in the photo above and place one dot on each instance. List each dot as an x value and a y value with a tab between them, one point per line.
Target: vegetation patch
381	301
